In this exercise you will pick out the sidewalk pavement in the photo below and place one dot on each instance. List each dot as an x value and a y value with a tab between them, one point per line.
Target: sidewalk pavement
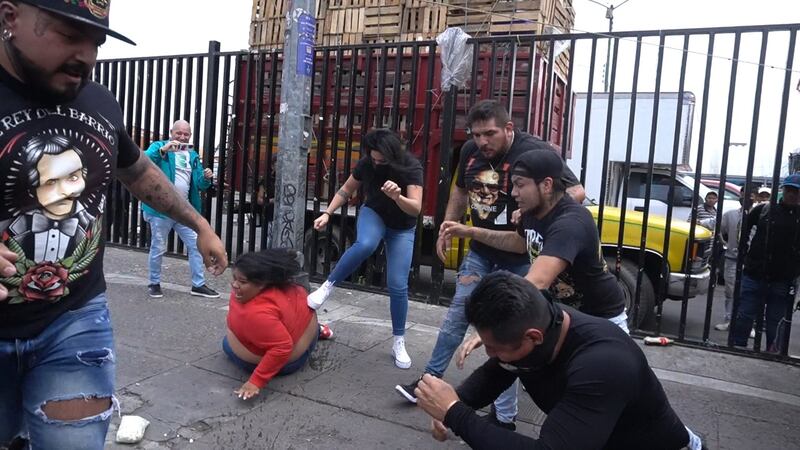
171	371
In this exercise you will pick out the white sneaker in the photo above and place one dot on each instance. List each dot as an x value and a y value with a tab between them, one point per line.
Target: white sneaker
318	297
401	358
722	326
753	333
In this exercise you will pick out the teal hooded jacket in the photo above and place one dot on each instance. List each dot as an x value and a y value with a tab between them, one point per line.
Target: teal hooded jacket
167	165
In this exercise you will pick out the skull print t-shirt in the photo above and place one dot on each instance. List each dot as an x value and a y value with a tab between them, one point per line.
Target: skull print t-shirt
57	162
488	185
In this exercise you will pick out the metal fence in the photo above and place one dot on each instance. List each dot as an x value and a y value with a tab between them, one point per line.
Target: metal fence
653	155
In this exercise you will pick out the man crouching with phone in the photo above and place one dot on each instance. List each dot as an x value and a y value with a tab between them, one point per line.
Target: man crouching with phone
183	167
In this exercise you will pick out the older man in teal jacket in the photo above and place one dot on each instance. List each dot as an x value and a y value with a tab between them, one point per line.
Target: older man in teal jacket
182	165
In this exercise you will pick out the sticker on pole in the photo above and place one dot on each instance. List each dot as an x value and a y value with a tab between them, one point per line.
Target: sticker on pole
305	44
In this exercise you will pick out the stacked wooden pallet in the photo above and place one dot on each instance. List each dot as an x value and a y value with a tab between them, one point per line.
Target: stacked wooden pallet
423	19
268	23
485	17
344	22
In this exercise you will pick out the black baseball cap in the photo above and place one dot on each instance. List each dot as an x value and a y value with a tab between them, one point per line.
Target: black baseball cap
90	12
539	164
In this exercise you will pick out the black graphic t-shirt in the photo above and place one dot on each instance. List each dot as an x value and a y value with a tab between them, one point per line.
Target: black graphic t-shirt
568	232
488	185
56	162
372	180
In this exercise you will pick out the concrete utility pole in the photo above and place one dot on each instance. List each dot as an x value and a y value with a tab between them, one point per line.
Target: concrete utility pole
294	137
610	16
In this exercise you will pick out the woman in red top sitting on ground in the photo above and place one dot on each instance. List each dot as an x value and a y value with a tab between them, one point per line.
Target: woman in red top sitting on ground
271	329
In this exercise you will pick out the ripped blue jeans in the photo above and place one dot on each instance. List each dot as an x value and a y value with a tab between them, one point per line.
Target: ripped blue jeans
454	327
72	358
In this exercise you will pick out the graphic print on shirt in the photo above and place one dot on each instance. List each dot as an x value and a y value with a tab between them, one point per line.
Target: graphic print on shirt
562	289
53	199
488	194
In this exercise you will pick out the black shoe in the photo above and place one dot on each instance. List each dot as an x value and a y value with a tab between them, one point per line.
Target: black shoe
492	418
155	290
204	291
407	390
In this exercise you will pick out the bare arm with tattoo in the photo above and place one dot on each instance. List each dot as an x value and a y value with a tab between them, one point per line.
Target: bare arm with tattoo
342	196
149	184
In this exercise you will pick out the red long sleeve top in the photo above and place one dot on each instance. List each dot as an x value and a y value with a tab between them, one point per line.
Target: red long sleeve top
269	325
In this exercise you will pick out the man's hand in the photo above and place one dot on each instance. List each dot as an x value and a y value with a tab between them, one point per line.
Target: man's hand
435	396
208	174
247	391
322	221
171	146
438	430
391	189
442	247
516	216
450	230
210	246
7	268
467	347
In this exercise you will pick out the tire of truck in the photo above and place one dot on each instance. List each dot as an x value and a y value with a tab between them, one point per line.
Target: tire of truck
336	250
647	294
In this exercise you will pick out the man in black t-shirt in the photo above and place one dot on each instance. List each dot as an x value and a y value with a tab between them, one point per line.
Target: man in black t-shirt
592	381
483	184
62	142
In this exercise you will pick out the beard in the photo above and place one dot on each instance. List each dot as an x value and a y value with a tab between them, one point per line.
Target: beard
38	78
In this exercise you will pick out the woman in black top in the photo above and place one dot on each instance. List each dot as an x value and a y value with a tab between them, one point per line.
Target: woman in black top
392	181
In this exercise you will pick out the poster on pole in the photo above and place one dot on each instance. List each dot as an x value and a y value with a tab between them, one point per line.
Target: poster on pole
305	44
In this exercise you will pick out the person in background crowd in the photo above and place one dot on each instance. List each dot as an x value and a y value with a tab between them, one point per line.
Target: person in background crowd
183	167
771	264
392	180
707	212
730	230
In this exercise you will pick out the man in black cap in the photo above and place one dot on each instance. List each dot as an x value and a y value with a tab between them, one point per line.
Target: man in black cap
62	142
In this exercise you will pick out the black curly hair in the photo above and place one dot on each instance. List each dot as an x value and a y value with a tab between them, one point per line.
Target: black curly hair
274	266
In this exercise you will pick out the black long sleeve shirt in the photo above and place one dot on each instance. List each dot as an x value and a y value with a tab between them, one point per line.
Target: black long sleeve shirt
599	393
774	251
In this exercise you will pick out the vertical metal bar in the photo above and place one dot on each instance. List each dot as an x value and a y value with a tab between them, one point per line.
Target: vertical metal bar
699	170
176	76
187	97
492	70
273	87
144	239
351	108
366	116
673	168
198	108
649	186
222	155
382	85
512	84
257	148
117	80
777	171
320	164
411	111
333	181
209	128
128	92
166	123
607	145
549	94
725	149
136	120
473	83
566	122
398	82
626	174
233	155
743	238
587	120
244	160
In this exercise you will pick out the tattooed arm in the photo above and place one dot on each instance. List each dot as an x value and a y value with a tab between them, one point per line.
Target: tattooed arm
149	184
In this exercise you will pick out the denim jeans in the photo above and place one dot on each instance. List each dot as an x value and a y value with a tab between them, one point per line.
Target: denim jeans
370	231
730	285
289	368
72	358
455	324
159	232
754	294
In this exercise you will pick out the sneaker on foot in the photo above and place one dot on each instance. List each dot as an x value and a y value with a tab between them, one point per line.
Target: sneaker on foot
154	290
722	326
407	390
401	358
318	297
204	291
325	332
753	333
